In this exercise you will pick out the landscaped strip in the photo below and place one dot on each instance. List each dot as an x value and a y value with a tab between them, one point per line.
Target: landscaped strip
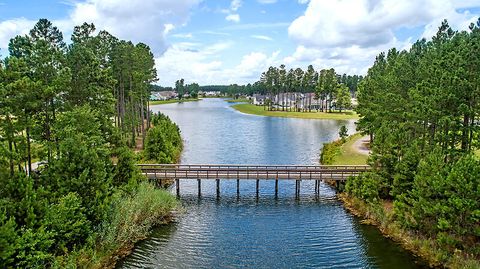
259	110
240	100
172	101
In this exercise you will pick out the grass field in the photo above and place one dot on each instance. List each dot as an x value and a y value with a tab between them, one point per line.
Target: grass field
348	154
172	101
259	110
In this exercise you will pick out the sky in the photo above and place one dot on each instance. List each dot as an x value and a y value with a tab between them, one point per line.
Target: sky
219	42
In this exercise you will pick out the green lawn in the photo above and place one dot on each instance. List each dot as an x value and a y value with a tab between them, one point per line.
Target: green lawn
259	110
240	100
348	155
173	101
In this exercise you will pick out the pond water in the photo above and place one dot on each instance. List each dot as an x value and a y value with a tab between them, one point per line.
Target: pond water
247	231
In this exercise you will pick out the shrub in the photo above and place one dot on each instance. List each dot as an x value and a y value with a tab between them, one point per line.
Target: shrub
68	223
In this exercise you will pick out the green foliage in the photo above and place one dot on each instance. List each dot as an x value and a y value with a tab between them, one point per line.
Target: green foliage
67	222
83	165
421	108
132	217
329	151
8	239
70	107
126	171
368	186
163	142
34	248
343	133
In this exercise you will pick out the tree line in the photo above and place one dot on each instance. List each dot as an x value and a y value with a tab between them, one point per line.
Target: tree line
325	85
421	108
78	108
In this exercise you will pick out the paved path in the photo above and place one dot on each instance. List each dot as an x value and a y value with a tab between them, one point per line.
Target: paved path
360	145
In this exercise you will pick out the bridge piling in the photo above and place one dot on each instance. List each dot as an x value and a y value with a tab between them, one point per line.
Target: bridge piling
257	186
297	189
218	187
276	186
238	186
199	181
177	183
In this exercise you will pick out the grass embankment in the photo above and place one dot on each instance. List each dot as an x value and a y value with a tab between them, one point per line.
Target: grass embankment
259	110
240	100
132	219
381	215
172	101
343	153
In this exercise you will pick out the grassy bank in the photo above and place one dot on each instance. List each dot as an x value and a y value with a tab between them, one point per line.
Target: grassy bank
259	110
430	250
172	101
240	100
343	153
131	219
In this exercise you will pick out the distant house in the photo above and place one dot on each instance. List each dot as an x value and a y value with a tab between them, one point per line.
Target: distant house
258	99
212	93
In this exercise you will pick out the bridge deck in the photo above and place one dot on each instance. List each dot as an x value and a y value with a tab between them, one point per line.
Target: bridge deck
284	172
267	172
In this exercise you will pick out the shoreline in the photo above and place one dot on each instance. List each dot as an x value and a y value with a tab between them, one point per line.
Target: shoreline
423	248
173	101
259	111
381	216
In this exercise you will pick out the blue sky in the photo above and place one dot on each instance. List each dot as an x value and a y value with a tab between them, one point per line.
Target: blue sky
233	41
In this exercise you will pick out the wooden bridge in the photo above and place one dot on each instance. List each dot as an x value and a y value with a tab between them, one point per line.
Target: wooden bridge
297	173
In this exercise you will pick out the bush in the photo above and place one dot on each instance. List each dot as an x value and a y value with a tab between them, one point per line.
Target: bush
366	186
127	174
163	143
67	223
8	239
330	151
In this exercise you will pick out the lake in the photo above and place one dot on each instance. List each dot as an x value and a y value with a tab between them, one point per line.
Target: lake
247	231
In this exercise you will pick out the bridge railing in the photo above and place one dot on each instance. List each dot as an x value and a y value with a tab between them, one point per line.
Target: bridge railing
249	171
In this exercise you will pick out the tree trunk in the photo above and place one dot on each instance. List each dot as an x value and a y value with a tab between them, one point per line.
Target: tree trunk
29	152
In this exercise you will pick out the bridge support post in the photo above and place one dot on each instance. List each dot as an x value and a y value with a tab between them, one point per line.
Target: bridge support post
199	181
257	186
177	183
276	186
297	188
159	183
238	186
218	187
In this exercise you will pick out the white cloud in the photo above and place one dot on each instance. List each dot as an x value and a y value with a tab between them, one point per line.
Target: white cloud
202	64
186	35
303	1
233	17
12	28
235	5
140	21
348	34
262	37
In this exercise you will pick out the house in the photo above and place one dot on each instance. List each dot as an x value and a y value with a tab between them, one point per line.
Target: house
258	99
167	95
